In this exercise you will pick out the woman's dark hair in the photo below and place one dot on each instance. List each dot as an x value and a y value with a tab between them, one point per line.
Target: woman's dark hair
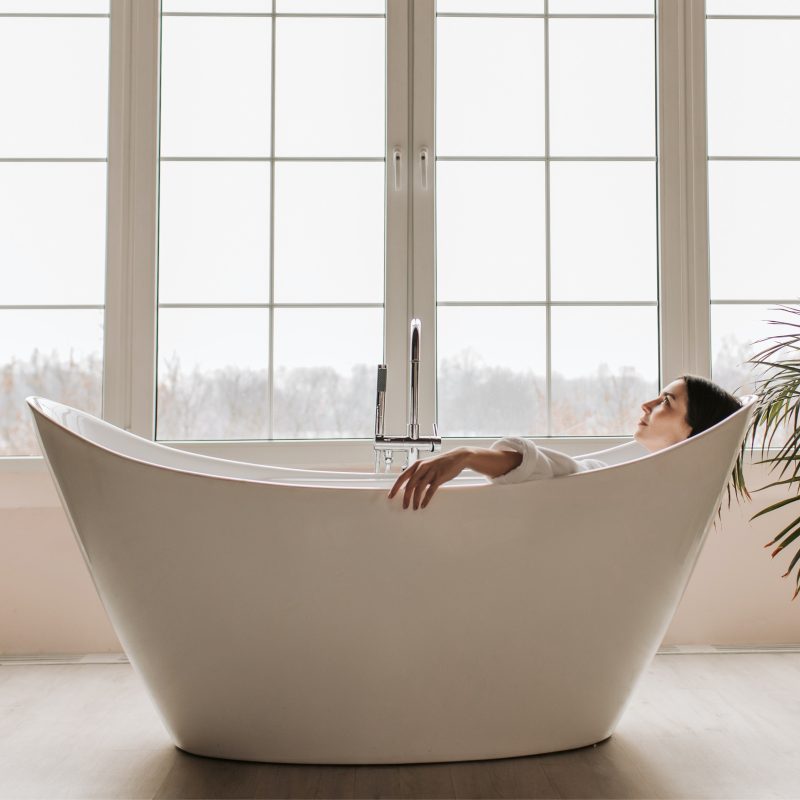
707	403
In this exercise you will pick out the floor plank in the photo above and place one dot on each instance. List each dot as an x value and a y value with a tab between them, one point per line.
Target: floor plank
712	725
404	781
504	777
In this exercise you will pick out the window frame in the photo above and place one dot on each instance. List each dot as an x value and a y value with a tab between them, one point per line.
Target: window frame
129	378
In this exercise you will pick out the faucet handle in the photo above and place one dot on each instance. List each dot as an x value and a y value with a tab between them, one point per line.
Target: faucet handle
381	399
435	429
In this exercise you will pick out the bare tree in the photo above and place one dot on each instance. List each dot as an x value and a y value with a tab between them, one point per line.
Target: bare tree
318	402
76	382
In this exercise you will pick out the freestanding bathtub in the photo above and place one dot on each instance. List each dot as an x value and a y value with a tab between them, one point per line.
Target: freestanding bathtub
300	616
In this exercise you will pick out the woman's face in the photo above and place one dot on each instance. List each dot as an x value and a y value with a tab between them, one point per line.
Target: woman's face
663	422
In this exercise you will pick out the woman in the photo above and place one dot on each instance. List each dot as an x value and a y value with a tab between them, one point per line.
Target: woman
687	406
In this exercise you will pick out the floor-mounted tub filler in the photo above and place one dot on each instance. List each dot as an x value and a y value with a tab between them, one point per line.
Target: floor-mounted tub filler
300	616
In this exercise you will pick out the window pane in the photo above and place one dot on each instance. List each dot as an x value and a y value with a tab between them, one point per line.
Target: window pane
325	366
754	237
332	6
491	371
215	86
223	6
752	7
214	232
604	366
212	373
329	232
490	87
601	7
602	78
490	6
56	354
330	77
753	74
735	334
736	331
54	90
52	236
490	230
54	6
554	6
603	242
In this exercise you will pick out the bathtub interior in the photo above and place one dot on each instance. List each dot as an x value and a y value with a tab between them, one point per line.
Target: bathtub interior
110	437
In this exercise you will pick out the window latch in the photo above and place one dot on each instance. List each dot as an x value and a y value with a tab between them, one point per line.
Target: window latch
396	157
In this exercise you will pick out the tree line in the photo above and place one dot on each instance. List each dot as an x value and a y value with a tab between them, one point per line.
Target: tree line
474	399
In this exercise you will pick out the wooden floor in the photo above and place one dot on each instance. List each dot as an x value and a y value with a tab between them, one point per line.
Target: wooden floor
699	726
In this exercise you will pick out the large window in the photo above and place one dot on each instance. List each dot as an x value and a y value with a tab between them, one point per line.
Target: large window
753	57
273	174
223	247
546	216
271	248
53	163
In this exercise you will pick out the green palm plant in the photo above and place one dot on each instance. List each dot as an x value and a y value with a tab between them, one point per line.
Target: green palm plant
777	388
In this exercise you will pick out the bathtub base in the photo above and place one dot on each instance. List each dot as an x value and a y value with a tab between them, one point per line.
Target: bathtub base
250	755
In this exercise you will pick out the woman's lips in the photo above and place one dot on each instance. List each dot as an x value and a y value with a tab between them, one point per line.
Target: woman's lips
642	422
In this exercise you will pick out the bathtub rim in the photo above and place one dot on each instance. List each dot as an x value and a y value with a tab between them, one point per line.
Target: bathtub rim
36	406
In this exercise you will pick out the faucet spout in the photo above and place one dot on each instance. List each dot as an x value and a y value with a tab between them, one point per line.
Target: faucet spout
416	333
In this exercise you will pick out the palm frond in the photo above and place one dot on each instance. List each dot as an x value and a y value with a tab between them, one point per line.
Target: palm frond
791	565
782	533
776	483
777	388
776	506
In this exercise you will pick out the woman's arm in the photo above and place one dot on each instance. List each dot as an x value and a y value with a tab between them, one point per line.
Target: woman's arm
492	462
432	472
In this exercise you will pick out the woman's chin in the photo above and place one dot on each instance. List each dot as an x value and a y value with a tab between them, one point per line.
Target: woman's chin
640	435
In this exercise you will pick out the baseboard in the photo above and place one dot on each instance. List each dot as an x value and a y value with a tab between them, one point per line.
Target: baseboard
64	658
694	649
121	658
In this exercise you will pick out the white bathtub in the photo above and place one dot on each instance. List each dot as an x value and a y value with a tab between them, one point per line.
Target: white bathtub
300	616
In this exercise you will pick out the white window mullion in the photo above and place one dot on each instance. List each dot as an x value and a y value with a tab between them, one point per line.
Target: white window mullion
271	351
396	302
116	393
130	326
683	258
422	271
548	377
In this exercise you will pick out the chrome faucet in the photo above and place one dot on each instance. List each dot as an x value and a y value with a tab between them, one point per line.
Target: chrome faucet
412	443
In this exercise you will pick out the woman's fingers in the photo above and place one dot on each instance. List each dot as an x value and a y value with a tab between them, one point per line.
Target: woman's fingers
402	478
431	489
418	477
419	489
411	486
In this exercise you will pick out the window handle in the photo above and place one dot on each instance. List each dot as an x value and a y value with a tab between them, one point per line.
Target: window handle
423	165
396	157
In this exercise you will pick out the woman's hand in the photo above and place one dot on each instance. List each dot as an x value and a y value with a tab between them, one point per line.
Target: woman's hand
431	473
